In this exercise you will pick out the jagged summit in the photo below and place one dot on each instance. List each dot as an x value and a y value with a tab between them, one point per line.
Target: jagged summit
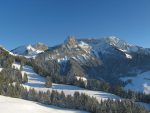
40	46
74	47
71	41
113	41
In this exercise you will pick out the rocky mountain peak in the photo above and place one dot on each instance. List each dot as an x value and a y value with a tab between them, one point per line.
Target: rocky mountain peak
40	46
71	41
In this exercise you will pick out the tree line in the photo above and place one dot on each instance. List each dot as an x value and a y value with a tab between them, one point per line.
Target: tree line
11	75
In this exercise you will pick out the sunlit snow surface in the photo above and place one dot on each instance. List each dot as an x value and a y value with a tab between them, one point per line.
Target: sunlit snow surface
140	82
14	105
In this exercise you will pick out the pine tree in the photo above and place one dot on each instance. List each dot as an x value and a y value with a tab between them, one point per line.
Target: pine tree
25	78
48	82
32	95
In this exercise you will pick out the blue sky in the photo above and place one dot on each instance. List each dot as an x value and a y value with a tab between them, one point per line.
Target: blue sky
51	21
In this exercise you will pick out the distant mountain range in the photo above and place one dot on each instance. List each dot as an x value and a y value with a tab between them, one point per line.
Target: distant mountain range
105	58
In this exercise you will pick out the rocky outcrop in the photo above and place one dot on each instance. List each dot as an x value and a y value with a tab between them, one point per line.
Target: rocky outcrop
40	46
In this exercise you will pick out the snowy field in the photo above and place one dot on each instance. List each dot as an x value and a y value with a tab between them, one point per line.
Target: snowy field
38	82
140	82
14	105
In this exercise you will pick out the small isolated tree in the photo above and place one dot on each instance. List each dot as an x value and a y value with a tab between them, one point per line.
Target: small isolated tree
25	78
21	66
48	82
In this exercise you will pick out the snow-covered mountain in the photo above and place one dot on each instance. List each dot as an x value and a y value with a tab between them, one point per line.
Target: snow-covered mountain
30	51
105	58
82	49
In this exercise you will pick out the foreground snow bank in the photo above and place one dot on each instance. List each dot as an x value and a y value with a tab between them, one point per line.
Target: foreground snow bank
14	105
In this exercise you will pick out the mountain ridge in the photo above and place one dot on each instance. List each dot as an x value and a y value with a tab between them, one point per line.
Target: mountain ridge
106	58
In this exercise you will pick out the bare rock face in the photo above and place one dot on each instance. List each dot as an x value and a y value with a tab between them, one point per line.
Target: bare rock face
40	46
71	41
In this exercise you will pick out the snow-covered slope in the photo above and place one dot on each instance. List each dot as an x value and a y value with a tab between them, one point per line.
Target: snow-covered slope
14	105
38	82
104	44
141	82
